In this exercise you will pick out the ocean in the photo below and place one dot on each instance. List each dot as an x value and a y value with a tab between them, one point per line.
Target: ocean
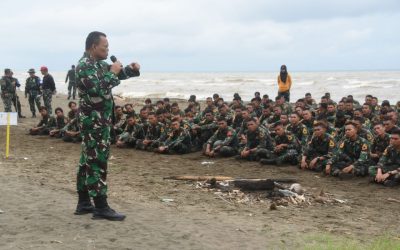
383	84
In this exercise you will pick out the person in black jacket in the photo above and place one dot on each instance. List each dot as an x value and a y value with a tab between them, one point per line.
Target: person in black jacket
48	87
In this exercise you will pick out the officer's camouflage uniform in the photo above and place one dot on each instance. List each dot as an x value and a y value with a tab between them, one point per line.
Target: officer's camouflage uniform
389	161
320	147
7	92
354	153
32	90
178	142
224	142
94	83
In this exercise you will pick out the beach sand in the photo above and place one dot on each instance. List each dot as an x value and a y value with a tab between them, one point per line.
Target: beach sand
38	198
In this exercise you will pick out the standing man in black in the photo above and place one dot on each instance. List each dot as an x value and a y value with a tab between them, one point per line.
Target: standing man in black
72	83
48	87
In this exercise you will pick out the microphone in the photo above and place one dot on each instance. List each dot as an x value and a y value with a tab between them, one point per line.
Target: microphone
126	72
122	74
113	58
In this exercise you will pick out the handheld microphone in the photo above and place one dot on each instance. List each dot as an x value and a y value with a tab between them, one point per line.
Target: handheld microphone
113	58
126	72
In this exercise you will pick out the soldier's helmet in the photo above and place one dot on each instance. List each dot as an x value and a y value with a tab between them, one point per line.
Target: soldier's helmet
31	71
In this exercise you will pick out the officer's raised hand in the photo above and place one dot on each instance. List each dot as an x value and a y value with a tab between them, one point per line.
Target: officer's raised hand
135	66
116	67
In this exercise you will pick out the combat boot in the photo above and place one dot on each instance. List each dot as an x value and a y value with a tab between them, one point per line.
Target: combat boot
103	211
84	205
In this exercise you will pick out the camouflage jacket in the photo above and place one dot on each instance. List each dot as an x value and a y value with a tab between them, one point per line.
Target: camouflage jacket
179	136
228	136
132	133
47	122
320	147
390	159
155	132
59	122
32	86
290	140
259	139
300	131
380	144
95	82
7	85
356	151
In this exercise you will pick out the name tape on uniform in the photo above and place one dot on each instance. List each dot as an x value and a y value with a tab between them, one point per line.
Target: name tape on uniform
13	118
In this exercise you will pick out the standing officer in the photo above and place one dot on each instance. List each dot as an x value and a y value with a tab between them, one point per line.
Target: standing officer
49	88
95	80
7	89
72	82
32	88
15	98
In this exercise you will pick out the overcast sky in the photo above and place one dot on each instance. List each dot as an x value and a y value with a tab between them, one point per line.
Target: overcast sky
206	35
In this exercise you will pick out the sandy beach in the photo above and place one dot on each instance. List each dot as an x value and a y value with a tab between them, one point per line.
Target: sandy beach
38	198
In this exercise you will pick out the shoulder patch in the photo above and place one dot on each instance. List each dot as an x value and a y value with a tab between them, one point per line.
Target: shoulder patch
290	137
305	131
385	152
331	144
342	145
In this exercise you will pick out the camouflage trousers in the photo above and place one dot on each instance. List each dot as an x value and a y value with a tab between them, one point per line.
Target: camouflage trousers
373	170
289	156
345	161
7	101
225	151
71	88
92	169
320	165
47	97
34	99
16	103
178	148
149	147
260	153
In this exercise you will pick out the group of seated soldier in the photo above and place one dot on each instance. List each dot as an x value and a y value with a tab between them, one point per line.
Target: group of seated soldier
343	139
59	126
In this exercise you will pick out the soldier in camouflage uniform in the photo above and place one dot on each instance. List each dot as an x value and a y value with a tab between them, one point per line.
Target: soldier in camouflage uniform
387	171
204	130
32	89
15	99
48	88
71	132
178	140
71	83
381	142
7	89
352	156
133	132
259	143
287	148
95	80
297	128
59	123
154	134
224	142
319	149
45	124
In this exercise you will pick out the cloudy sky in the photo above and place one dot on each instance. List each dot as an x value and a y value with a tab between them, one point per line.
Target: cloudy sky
206	35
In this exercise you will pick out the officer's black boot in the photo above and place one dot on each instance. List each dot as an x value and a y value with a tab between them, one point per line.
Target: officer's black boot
103	211
84	205
33	115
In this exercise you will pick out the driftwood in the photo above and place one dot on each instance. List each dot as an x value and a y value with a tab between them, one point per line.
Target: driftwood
244	184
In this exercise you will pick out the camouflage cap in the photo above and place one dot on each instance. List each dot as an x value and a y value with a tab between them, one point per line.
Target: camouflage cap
31	71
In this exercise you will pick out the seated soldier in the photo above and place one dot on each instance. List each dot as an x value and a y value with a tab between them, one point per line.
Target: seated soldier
287	148
266	113
387	170
237	118
362	131
225	112
175	110
224	142
352	156
381	142
71	132
297	128
308	120
154	133
120	120
43	127
195	105
178	140
132	132
319	149
60	122
259	143
128	109
202	131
